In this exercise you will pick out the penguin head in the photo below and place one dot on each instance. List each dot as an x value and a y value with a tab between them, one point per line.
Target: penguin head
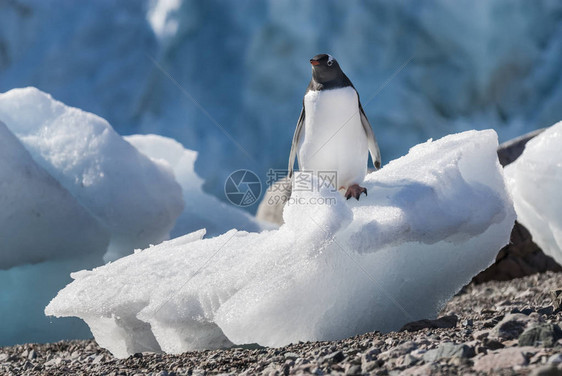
325	68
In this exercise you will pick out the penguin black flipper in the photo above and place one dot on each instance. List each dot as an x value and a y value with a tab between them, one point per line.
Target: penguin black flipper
295	144
371	139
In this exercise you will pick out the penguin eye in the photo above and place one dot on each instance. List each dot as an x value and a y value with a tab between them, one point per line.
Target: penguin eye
330	62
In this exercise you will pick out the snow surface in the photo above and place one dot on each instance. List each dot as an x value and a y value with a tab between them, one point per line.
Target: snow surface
136	200
485	64
39	219
535	182
201	209
432	220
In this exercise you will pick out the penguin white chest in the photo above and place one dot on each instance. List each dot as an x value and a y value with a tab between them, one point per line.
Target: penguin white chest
333	137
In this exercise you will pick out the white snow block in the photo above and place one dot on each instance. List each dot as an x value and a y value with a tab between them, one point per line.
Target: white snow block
535	182
135	199
39	219
432	220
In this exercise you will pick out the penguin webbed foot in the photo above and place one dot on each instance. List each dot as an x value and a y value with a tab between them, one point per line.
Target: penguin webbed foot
355	191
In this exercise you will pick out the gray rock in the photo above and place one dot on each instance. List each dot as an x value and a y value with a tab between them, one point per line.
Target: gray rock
540	335
291	355
448	350
370	354
53	362
370	366
511	326
556	358
440	323
403	349
353	370
525	311
335	357
481	334
547	370
546	310
493	344
410	360
556	296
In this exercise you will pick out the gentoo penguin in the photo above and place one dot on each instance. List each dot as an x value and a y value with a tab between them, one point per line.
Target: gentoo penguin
333	133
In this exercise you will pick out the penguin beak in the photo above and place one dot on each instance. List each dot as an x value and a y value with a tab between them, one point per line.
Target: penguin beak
314	62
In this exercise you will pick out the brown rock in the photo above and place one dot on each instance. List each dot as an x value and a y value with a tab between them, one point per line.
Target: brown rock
510	150
504	358
521	257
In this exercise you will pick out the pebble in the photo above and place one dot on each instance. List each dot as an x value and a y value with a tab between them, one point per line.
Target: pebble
540	335
495	323
32	355
448	350
291	355
335	357
503	358
511	326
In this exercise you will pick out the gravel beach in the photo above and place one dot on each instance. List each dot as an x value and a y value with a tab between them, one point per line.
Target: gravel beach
493	328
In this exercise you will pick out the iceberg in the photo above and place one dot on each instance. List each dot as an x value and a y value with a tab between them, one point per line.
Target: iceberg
535	182
74	194
433	219
30	198
136	200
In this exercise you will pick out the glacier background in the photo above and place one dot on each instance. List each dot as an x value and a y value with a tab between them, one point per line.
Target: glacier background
197	71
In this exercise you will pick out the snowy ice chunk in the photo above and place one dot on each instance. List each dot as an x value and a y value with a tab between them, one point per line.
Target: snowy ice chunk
136	200
535	182
432	220
201	209
39	219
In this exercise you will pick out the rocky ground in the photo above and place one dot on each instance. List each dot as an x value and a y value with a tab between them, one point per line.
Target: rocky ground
493	328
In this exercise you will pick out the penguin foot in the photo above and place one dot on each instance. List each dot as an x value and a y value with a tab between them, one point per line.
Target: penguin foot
355	191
